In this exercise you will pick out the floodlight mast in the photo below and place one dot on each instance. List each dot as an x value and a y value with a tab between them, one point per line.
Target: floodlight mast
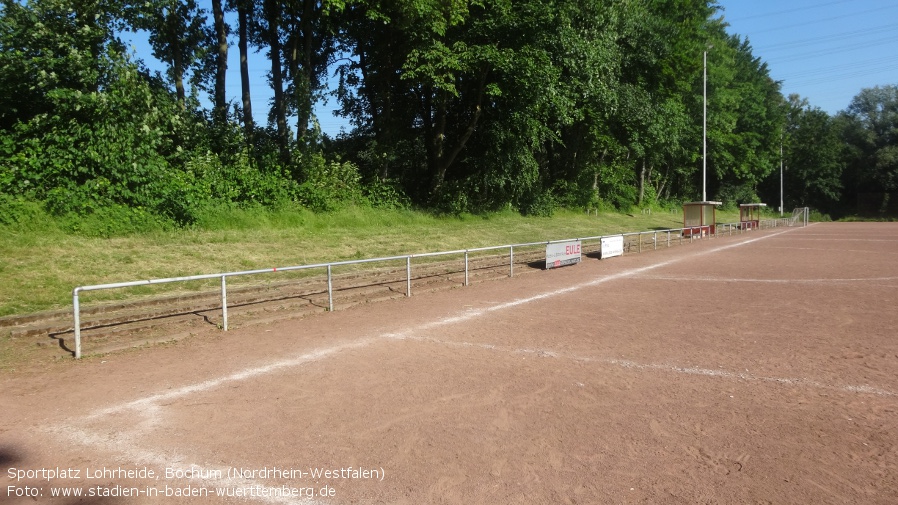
705	128
782	136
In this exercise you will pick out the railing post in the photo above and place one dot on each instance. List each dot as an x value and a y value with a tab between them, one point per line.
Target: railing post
655	240
330	290
668	238
77	313
639	238
466	268
408	276
511	261
224	303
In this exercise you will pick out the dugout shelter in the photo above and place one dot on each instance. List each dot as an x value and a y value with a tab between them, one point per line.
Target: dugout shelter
750	215
699	218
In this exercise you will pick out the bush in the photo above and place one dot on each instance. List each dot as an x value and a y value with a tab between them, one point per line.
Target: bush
21	214
542	204
329	185
114	221
733	194
451	199
239	182
111	220
617	185
93	147
381	194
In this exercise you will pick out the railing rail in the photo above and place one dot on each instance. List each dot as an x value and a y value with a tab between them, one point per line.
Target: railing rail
329	266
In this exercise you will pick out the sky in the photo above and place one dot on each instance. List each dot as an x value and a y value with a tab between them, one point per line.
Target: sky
826	51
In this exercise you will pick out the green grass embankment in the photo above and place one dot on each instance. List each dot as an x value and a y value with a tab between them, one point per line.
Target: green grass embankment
40	266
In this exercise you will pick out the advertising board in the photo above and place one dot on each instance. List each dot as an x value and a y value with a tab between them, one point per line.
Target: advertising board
612	246
562	253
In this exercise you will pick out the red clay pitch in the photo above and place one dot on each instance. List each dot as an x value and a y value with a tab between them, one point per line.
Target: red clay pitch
748	369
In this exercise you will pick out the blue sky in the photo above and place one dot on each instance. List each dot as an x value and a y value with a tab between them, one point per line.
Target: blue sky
827	51
824	50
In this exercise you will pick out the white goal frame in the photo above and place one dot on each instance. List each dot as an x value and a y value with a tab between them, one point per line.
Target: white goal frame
800	217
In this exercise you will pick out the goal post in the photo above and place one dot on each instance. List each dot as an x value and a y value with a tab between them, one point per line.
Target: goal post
799	216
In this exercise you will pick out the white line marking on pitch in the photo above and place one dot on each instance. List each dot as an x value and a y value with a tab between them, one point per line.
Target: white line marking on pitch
147	403
467	315
842	238
688	370
842	234
749	377
772	281
206	477
472	313
149	406
828	250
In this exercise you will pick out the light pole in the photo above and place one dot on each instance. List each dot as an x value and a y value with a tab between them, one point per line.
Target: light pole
782	135
705	128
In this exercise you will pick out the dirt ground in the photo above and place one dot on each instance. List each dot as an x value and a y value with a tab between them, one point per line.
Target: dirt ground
758	368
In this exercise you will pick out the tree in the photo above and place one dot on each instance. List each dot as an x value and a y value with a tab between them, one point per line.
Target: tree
374	39
220	103
873	130
813	160
745	117
309	50
48	45
96	131
465	104
244	21
271	34
409	75
177	36
658	44
588	55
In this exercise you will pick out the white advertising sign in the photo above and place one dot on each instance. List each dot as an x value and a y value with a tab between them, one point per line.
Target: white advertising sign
562	253
612	246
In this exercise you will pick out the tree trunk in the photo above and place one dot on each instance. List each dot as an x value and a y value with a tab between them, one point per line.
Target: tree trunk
385	134
595	174
438	140
220	110
443	157
177	67
277	80
303	83
243	19
641	184
301	40
662	182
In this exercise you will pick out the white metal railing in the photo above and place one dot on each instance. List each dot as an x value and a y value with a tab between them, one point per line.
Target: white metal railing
679	232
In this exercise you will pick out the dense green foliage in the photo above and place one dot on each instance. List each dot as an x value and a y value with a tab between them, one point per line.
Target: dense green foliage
869	128
461	106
